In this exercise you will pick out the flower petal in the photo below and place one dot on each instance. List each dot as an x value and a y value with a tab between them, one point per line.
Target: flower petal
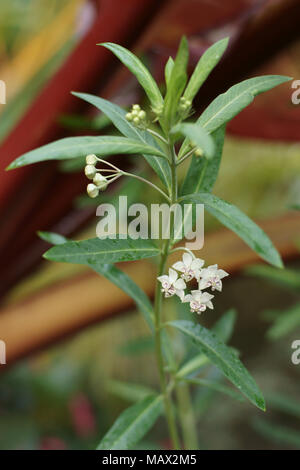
163	278
179	265
179	284
172	275
187	259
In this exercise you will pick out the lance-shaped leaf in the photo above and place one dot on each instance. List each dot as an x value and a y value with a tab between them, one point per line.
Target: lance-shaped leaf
217	387
95	251
223	328
229	104
127	285
168	69
117	117
132	424
224	358
206	64
114	275
202	173
176	83
139	70
234	219
198	136
74	147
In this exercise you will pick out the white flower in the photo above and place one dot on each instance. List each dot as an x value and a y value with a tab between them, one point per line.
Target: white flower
189	267
172	285
199	301
100	181
92	190
91	159
211	277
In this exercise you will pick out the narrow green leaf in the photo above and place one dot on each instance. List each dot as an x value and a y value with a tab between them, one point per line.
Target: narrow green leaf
222	357
287	320
176	83
129	391
277	433
216	387
227	105
127	285
198	136
52	237
284	403
234	219
286	278
114	275
132	424
139	70
206	64
202	173
95	251
117	117
223	328
73	147
168	70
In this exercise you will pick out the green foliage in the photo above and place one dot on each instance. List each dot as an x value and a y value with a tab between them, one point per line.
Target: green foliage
153	135
222	357
139	70
96	251
132	424
206	64
234	219
74	147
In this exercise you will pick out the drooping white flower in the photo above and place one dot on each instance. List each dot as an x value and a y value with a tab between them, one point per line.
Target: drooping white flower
172	285
211	277
189	267
199	301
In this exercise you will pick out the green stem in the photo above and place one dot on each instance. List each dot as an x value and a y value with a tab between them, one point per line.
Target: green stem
186	415
169	409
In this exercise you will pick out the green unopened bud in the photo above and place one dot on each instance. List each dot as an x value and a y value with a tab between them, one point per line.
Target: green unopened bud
136	120
158	111
129	116
92	190
91	159
198	152
100	181
142	115
136	107
90	171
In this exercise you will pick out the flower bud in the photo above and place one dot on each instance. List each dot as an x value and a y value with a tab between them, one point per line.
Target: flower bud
100	181
90	171
136	107
142	115
136	120
129	116
92	190
198	152
91	159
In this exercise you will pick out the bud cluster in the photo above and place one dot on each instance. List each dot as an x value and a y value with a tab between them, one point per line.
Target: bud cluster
198	152
100	182
137	116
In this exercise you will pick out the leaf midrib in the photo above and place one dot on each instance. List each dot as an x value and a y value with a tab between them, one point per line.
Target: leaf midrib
136	420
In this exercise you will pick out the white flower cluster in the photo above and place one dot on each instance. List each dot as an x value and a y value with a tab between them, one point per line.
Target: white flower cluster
192	268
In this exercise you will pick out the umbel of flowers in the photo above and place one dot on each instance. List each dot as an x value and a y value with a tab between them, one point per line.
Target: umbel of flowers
191	268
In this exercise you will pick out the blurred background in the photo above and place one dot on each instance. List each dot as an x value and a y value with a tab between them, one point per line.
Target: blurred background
73	339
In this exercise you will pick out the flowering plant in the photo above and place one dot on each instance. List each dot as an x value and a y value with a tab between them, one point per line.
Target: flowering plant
156	135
